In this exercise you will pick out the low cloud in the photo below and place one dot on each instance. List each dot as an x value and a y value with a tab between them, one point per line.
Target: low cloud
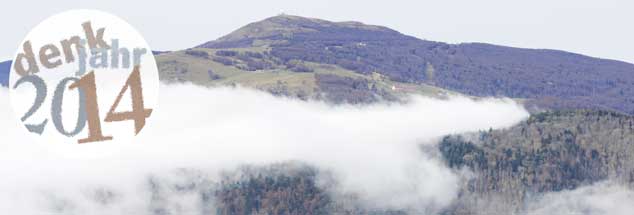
605	198
373	151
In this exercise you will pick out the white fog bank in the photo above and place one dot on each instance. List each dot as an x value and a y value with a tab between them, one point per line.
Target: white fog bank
373	151
604	198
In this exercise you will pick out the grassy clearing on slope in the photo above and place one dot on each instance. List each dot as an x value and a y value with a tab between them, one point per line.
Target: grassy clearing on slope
198	66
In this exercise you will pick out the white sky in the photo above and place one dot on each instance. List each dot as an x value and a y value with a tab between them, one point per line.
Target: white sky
597	28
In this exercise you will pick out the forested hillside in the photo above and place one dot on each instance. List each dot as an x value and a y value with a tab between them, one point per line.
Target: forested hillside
554	151
551	151
281	188
277	189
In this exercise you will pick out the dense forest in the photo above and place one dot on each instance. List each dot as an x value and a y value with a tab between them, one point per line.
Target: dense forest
282	188
276	189
552	151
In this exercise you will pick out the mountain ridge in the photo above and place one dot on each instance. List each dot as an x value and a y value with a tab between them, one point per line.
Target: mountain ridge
551	79
545	78
286	24
280	20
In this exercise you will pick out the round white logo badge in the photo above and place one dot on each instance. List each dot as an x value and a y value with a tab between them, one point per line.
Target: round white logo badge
84	76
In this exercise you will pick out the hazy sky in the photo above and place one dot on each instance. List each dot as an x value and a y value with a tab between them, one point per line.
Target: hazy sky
596	28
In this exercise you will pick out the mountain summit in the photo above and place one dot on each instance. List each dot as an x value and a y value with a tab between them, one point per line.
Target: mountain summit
285	26
547	78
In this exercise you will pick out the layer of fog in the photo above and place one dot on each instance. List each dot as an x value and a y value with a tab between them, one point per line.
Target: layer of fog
373	151
605	198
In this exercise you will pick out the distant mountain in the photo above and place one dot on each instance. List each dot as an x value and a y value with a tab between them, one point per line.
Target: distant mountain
354	62
548	78
5	68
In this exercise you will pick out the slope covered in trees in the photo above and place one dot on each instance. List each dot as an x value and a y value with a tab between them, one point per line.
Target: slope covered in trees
549	152
552	151
286	188
276	189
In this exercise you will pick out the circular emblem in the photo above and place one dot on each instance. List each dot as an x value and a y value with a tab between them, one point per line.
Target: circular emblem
84	76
